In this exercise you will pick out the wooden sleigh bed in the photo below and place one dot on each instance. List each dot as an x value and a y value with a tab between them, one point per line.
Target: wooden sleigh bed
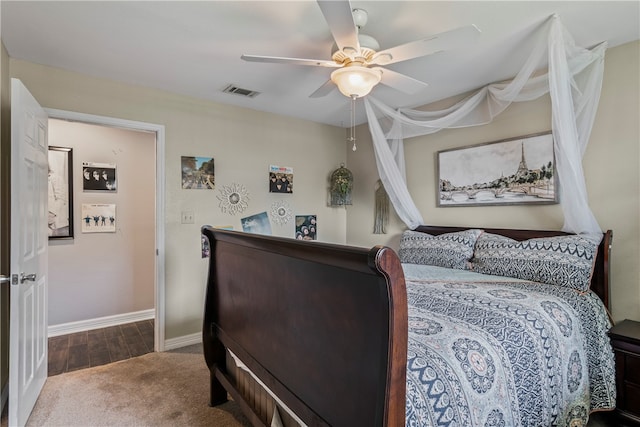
322	327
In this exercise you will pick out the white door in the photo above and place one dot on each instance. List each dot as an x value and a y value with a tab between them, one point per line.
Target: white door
29	240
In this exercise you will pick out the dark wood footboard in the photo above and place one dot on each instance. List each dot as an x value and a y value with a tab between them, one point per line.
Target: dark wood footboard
323	326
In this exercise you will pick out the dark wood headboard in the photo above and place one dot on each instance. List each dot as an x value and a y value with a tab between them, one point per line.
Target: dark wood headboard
324	326
601	273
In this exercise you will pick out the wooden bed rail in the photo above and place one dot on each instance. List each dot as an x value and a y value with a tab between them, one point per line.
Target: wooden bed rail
323	326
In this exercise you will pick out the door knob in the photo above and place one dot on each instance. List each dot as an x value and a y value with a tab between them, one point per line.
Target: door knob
13	279
25	277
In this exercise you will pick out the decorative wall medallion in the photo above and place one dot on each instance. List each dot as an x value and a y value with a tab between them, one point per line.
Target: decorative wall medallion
280	212
233	198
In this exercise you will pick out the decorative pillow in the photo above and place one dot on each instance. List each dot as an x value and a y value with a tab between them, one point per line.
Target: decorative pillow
451	250
561	260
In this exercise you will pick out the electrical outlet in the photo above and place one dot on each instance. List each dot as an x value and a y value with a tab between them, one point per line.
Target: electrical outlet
187	217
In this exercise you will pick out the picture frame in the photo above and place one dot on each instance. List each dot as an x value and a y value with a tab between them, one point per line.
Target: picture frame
258	224
306	227
280	179
198	173
99	218
60	193
99	177
513	171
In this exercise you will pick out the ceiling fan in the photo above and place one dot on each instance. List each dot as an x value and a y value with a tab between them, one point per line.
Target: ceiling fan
357	58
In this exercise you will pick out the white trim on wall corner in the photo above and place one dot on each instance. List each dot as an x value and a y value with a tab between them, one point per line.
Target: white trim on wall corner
100	322
183	341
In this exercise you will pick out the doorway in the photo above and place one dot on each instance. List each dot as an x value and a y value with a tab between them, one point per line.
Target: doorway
136	233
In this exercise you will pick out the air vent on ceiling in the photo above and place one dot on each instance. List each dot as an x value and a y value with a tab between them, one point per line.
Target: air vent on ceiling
240	91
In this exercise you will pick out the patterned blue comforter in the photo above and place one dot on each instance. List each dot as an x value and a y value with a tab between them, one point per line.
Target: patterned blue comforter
493	351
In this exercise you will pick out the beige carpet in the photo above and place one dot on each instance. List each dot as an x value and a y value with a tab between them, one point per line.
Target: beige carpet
157	389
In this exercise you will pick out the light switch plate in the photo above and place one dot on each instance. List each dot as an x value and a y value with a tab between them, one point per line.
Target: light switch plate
187	217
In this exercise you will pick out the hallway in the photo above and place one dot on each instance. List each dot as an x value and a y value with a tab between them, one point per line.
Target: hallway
99	346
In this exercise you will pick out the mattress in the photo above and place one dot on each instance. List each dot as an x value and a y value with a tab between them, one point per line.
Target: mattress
494	351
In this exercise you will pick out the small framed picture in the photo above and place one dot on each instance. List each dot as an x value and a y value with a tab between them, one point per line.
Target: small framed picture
258	224
60	193
198	173
306	227
99	177
98	218
280	179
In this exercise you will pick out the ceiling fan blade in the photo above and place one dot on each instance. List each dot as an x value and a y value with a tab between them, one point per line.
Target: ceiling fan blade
339	17
295	61
432	44
401	82
323	90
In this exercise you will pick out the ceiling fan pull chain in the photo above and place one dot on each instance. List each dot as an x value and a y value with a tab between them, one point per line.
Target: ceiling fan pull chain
352	136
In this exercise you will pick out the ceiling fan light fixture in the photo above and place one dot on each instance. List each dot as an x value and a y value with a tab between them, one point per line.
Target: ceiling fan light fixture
356	80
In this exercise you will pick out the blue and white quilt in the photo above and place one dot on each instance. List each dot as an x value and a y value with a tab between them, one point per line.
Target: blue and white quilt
494	351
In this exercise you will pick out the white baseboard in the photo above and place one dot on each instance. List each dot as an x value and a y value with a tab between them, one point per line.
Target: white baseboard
120	319
183	341
100	322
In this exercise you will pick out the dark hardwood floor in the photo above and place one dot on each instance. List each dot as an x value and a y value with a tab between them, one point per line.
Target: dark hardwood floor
99	346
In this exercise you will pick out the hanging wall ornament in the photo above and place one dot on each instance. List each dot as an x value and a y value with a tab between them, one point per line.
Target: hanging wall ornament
341	186
233	198
280	212
381	214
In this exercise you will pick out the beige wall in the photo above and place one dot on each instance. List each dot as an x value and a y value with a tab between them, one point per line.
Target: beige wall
105	274
243	143
611	164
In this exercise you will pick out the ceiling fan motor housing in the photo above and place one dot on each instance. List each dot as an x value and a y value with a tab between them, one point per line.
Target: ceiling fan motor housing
368	47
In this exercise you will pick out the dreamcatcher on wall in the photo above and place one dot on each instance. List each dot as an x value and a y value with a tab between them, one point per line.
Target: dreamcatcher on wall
381	213
233	198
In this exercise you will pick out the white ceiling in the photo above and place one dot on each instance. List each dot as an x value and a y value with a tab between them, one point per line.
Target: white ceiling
194	48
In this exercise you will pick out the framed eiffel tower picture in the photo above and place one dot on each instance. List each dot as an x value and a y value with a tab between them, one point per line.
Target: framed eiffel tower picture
518	170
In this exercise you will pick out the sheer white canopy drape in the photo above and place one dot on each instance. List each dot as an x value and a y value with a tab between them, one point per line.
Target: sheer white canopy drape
573	80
